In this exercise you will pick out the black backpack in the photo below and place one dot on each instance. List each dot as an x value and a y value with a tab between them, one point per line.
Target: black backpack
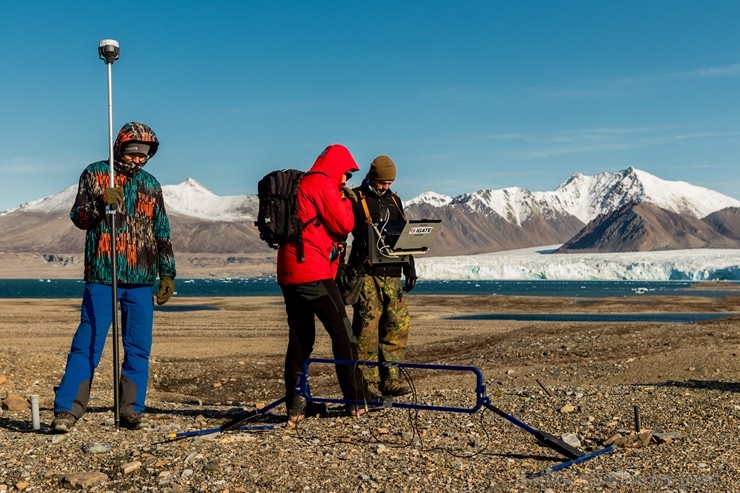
277	218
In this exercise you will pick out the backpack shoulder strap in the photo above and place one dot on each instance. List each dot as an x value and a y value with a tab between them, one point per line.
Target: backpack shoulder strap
394	197
363	201
315	219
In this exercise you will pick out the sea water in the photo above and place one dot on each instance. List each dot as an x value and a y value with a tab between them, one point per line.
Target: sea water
72	288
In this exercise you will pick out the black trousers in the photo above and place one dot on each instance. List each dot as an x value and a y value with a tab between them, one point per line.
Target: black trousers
320	299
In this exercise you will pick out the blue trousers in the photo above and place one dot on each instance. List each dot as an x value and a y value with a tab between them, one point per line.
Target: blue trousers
137	317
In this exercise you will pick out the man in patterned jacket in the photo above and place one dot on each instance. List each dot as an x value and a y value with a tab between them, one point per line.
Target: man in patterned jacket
143	252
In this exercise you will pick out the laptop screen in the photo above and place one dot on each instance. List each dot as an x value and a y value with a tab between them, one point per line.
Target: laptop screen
394	241
391	231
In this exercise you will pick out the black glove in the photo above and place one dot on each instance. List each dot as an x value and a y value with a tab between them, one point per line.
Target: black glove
410	283
165	291
409	272
113	197
348	193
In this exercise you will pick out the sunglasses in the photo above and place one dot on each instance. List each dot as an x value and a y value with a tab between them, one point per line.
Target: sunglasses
348	175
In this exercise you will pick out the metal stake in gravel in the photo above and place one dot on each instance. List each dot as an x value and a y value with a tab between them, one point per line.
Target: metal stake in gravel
108	50
575	455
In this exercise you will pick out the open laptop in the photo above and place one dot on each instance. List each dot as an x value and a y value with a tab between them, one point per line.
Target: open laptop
394	241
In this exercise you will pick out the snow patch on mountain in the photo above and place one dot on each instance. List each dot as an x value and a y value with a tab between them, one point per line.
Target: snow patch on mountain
682	197
60	202
190	198
432	198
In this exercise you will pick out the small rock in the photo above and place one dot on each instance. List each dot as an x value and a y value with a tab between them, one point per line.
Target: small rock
568	408
612	439
21	485
97	447
3	379
15	402
193	457
84	480
633	440
571	439
57	439
667	437
130	467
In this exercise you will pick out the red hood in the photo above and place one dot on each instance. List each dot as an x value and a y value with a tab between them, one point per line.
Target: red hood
334	162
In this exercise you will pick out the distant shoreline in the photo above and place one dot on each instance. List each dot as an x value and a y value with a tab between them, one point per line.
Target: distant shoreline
205	288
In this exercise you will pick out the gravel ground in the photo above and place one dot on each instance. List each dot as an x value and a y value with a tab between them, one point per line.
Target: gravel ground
576	381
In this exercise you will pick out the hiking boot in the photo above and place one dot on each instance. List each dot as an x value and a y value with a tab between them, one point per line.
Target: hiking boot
394	388
356	410
133	421
63	422
372	396
297	410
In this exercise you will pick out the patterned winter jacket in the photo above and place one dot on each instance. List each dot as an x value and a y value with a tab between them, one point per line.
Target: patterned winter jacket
143	245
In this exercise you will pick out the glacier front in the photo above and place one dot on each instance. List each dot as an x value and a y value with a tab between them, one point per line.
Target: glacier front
541	263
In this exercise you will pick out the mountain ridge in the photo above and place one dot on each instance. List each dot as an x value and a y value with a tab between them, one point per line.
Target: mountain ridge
479	222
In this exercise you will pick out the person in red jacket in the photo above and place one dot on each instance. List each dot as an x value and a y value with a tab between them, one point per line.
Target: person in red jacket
308	285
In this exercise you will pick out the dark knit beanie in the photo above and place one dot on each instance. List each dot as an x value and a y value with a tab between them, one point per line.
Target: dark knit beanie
382	169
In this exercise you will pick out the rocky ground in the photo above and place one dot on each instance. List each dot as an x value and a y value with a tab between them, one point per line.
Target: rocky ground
214	359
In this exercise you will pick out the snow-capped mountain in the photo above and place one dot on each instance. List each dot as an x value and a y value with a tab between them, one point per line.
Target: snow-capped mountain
189	198
509	218
59	202
431	198
586	197
192	199
478	222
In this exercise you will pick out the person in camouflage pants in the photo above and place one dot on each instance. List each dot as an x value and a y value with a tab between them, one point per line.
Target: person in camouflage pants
381	318
383	321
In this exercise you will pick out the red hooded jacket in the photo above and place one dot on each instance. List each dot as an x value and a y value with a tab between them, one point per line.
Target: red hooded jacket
319	196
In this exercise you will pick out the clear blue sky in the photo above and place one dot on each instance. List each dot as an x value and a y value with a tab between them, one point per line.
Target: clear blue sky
464	95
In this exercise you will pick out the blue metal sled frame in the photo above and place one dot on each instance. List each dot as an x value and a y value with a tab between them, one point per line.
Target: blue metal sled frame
573	454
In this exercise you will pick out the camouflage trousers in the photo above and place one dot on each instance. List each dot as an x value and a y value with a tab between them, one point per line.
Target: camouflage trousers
381	324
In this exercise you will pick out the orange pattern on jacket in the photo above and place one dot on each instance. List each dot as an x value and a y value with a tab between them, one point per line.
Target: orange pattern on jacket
145	205
104	245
